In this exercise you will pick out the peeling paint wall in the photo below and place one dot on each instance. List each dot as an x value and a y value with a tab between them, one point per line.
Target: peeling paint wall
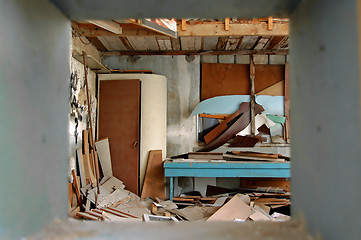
183	74
78	108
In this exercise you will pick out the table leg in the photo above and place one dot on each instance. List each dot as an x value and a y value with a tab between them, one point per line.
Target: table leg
171	187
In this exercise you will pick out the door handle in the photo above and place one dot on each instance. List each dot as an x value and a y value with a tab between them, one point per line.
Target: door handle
135	144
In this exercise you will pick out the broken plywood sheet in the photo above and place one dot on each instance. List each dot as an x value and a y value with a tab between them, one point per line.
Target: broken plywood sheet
112	184
103	151
195	213
277	89
116	196
233	209
260	119
154	177
257	216
103	192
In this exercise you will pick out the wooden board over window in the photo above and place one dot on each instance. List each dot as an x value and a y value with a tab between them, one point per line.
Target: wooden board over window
220	79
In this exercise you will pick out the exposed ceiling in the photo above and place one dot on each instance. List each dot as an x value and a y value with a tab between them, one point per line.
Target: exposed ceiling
195	36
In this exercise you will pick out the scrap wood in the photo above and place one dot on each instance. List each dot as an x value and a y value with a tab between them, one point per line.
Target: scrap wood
121	212
216	116
255	154
244	141
103	150
236	127
233	209
153	185
113	212
120	202
230	157
76	186
217	131
205	155
95	214
92	149
87	216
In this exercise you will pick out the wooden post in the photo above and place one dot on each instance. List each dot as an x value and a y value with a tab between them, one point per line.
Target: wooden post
287	103
91	126
252	72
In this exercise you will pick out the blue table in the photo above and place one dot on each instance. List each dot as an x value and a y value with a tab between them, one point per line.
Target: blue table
224	169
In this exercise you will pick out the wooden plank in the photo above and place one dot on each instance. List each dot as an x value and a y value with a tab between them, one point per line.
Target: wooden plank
152	43
70	194
222	43
164	44
88	170
95	214
216	116
105	43
116	210
221	127
270	23
138	43
103	150
248	42
115	43
188	43
76	186
98	44
232	43
83	175
287	102
184	25
197	52
252	72
88	30
197	43
277	89
226	23
210	43
86	215
235	29
91	63
108	25
175	44
113	212
274	41
262	43
224	79
283	44
202	155
153	185
255	154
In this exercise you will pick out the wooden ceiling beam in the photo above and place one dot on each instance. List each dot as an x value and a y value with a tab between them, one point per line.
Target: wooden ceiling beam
197	52
235	29
87	30
107	25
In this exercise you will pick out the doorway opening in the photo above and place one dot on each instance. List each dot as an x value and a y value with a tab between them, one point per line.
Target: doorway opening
190	78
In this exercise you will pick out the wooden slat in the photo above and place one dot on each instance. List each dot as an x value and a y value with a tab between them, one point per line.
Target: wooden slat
248	42
138	43
283	44
226	23
86	215
287	102
197	52
232	43
88	30
154	176
210	43
274	41
175	44
98	44
76	186
252	72
197	43
235	29
216	116
115	42
262	43
224	79
108	25
222	42
184	25
164	44
187	43
270	23
105	43
152	43
268	75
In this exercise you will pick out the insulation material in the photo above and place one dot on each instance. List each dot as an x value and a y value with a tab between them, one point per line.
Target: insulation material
153	123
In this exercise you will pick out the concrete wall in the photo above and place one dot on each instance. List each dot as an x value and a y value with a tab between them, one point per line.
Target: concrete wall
34	77
325	114
182	93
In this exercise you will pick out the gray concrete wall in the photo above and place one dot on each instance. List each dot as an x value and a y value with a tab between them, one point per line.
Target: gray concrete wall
325	117
34	77
183	81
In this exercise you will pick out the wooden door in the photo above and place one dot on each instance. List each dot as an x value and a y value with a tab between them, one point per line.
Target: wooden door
119	121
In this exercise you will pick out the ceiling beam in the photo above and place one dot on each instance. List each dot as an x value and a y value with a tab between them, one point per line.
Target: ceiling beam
235	29
198	52
107	25
88	30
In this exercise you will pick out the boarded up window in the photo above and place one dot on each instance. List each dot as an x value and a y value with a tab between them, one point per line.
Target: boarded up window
220	79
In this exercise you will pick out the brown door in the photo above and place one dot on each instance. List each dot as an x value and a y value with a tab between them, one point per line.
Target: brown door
119	121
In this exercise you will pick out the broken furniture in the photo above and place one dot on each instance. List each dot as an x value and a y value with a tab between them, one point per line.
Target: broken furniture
179	168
